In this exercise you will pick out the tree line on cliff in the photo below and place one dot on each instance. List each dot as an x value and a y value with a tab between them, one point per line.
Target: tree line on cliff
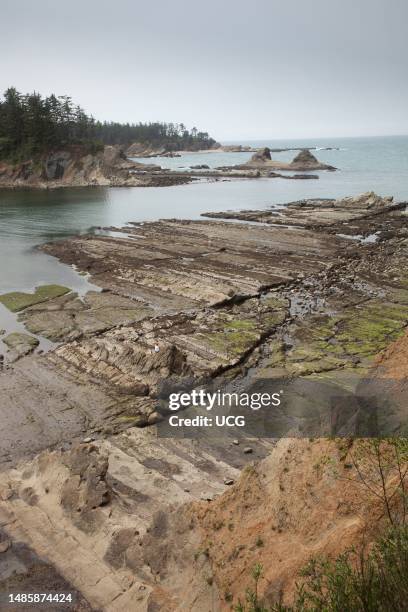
31	125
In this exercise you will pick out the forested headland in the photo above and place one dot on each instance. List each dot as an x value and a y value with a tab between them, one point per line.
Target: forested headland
31	125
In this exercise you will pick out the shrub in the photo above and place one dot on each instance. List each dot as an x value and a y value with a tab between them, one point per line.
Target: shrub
356	581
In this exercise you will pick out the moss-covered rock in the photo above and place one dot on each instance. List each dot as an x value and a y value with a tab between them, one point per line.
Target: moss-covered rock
230	344
17	300
330	342
68	317
368	329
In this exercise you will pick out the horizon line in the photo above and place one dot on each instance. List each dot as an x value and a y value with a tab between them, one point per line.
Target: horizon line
274	138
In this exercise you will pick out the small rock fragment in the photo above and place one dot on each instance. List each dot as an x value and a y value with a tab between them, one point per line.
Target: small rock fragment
4	546
153	418
207	496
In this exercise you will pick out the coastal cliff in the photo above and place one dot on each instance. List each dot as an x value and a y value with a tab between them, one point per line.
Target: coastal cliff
75	166
143	149
51	142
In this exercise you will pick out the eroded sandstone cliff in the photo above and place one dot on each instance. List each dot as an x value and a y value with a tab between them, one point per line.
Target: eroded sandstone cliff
75	167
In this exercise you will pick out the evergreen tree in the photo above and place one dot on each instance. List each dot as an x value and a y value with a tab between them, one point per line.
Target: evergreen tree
31	125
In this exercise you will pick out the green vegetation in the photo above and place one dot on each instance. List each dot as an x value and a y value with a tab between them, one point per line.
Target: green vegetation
330	343
17	300
31	125
243	325
370	329
368	578
275	301
355	581
231	343
252	601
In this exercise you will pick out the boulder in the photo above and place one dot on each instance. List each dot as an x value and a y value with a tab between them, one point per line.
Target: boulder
263	155
170	154
85	490
365	201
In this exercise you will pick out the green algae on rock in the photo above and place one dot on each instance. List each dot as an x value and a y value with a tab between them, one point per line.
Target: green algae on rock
17	300
68	317
352	336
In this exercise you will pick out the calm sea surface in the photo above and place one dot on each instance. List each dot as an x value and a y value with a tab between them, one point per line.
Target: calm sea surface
29	218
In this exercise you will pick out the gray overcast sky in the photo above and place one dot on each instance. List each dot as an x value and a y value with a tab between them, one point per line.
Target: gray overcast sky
238	69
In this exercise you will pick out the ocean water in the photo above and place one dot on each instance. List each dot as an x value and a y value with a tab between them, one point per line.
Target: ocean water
364	164
29	218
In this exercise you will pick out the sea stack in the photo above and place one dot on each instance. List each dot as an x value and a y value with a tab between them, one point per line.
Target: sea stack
263	155
305	157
